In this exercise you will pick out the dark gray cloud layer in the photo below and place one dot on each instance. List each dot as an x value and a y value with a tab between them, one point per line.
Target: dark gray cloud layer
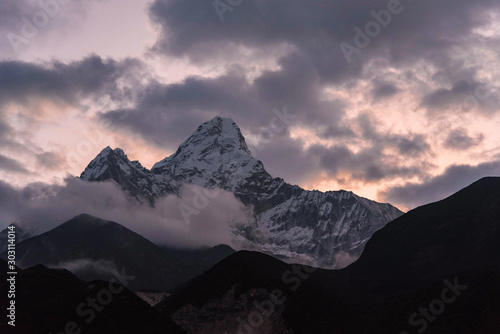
459	139
307	36
423	30
382	90
168	114
11	165
166	111
28	93
436	188
428	31
93	76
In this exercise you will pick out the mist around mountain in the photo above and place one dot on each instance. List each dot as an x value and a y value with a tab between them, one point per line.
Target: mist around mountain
93	248
435	270
329	229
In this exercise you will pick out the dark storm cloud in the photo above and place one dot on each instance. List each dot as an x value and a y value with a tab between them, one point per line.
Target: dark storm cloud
7	138
465	96
8	199
382	90
312	32
24	87
367	165
434	189
4	133
443	98
193	29
423	30
307	36
410	145
387	156
333	159
169	113
23	82
286	158
10	165
50	160
337	131
459	139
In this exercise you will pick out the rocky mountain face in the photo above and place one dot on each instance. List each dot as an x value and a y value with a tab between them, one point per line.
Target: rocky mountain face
433	270
130	175
290	222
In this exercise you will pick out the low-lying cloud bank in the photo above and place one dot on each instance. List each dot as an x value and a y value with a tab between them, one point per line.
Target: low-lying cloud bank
193	219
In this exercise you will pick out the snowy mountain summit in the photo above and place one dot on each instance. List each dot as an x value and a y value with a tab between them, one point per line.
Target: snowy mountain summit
130	175
329	228
216	155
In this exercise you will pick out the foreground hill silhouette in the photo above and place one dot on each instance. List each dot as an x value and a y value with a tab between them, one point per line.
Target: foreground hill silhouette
47	300
98	249
461	232
401	272
433	270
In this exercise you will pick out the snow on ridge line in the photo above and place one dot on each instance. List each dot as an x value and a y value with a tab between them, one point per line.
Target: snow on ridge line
309	223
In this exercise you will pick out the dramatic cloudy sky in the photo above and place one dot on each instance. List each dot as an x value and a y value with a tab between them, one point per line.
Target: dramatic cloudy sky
408	116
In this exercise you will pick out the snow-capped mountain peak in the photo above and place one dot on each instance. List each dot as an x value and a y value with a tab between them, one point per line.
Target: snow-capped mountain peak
213	139
218	133
286	220
130	175
215	155
100	168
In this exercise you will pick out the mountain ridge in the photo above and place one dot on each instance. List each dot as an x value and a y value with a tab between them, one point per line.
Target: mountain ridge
94	248
290	222
390	289
48	300
468	217
251	292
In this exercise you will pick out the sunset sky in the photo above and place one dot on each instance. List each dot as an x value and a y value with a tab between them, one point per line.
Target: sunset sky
409	116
